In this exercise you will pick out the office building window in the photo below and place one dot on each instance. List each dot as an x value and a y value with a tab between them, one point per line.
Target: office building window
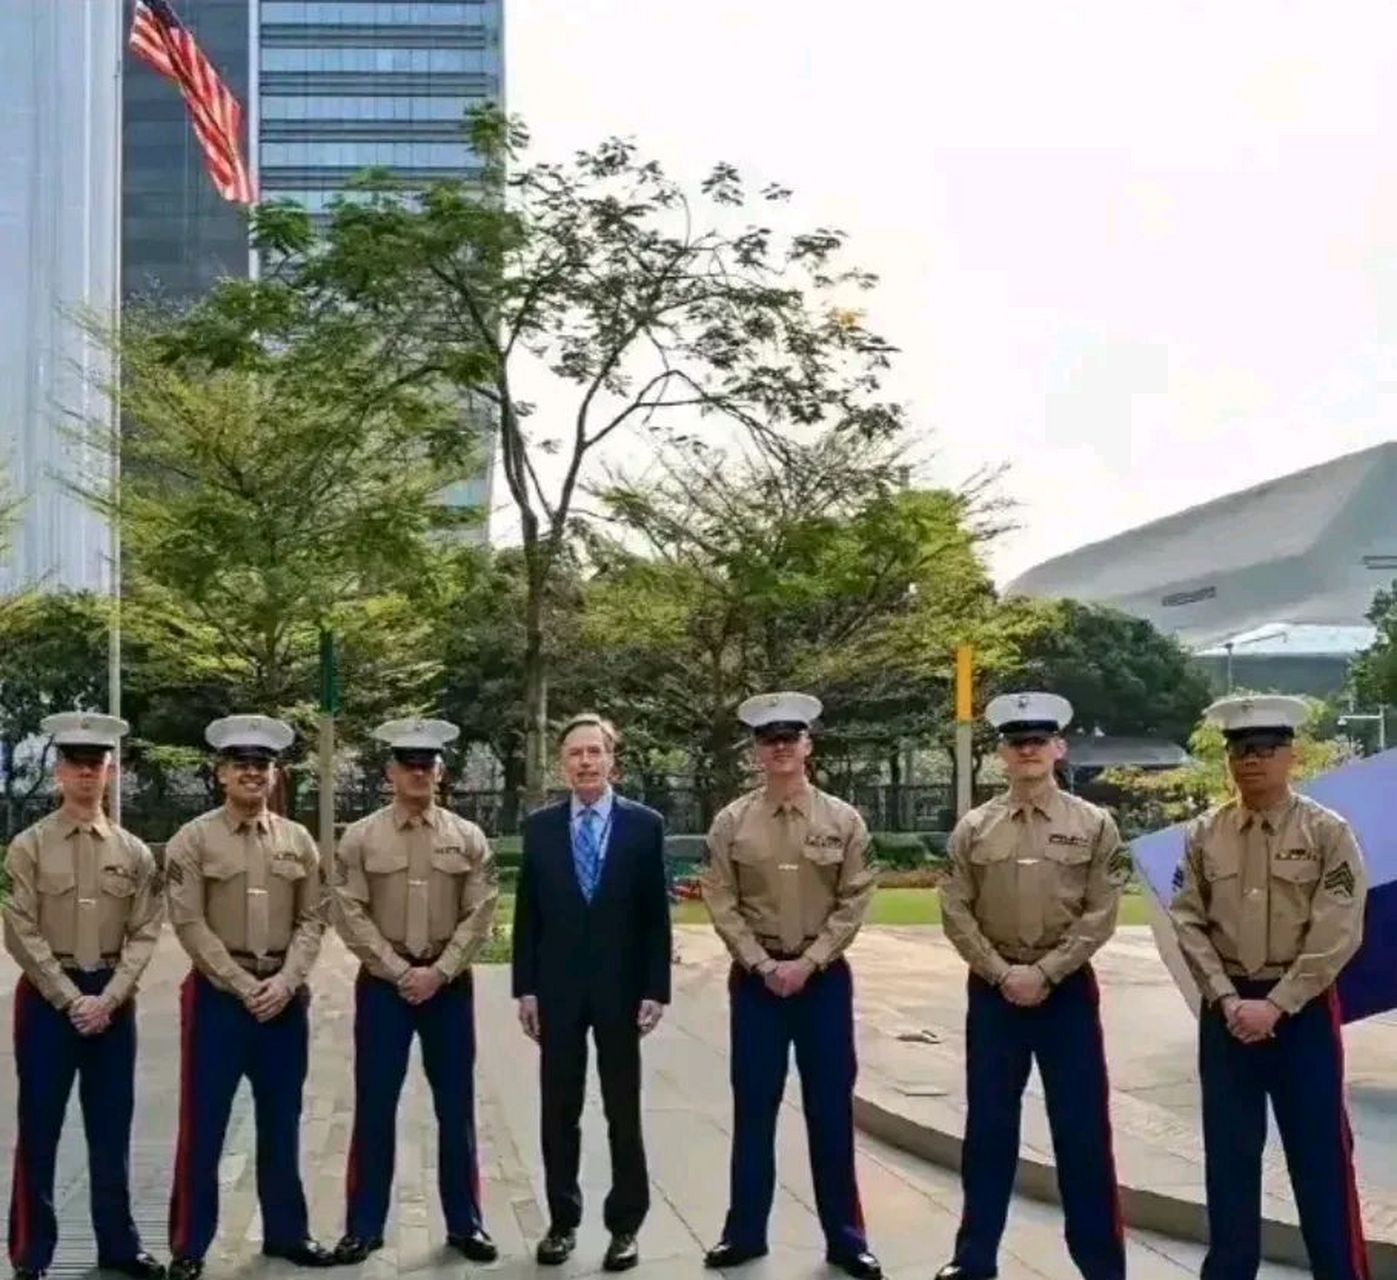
317	58
391	13
291	107
355	155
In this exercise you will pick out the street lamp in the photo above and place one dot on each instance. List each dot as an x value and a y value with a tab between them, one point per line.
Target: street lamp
1379	716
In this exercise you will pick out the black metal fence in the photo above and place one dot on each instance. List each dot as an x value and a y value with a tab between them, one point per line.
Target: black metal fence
687	811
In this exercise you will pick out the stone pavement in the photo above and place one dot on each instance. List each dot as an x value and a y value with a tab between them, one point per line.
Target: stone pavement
910	987
912	1207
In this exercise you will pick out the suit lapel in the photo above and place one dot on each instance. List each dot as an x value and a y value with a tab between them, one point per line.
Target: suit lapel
614	847
569	871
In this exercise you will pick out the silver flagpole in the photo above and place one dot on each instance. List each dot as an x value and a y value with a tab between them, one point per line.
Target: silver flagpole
114	536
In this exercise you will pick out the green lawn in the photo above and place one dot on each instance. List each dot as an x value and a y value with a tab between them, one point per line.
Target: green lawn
890	906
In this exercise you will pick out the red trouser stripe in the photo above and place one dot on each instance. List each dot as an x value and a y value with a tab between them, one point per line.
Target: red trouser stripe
1117	1215
1358	1250
20	1195
180	1207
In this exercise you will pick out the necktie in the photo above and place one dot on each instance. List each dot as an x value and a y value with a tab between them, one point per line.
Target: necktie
1256	898
258	918
588	852
87	944
419	884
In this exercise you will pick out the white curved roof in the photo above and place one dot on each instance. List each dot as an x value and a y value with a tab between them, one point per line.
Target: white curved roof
1310	548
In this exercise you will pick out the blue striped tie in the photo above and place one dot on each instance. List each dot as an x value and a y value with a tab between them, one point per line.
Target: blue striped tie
589	852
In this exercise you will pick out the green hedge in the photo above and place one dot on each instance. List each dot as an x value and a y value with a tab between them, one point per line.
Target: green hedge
905	850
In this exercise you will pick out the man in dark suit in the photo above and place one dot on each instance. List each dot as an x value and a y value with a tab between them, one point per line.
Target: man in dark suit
592	950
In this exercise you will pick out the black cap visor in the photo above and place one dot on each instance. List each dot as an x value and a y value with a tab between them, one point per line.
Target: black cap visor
1242	741
416	757
780	731
248	755
1016	731
82	752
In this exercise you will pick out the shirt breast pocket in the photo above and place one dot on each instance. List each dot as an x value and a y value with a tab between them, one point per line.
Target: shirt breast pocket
823	851
385	862
118	881
286	865
450	860
1298	875
54	881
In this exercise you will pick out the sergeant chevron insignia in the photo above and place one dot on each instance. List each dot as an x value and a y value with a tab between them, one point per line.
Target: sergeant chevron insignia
1340	881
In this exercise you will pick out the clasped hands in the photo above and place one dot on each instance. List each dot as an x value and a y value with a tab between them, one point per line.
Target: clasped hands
1025	985
91	1015
268	998
1250	1021
788	977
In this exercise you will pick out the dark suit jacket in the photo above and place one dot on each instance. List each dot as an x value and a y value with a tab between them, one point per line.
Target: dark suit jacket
604	957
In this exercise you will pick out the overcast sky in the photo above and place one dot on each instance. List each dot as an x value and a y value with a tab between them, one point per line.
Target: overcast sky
1145	251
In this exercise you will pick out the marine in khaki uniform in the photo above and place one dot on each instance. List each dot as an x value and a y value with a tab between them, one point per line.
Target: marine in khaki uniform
1268	905
1032	893
81	921
244	892
788	885
415	893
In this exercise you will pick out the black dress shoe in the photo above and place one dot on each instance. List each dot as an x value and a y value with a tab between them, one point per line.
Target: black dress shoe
477	1246
954	1271
555	1248
141	1267
354	1249
861	1265
186	1268
27	1273
727	1254
304	1253
622	1253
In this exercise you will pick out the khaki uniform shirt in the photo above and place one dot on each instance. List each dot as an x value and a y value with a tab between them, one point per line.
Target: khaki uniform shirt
414	890
1278	894
792	878
1033	882
81	896
245	889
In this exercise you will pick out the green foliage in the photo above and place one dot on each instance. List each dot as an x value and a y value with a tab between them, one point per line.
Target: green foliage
257	508
55	659
1120	673
1151	801
1373	675
647	314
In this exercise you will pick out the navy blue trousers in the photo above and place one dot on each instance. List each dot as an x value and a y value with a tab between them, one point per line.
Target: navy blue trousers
384	1025
220	1042
1001	1042
1301	1070
819	1022
49	1054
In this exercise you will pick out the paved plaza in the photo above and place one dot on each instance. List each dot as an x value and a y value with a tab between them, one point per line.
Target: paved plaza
912	1207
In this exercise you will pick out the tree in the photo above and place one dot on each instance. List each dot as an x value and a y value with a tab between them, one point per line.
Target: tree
258	508
763	576
1121	675
55	647
1373	674
637	305
1150	801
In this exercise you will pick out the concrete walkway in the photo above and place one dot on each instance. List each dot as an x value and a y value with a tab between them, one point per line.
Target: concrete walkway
911	1010
912	1206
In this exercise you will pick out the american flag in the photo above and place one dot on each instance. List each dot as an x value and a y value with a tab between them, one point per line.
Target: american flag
159	38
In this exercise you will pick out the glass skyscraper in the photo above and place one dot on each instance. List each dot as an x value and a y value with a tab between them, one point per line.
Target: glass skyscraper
58	259
348	84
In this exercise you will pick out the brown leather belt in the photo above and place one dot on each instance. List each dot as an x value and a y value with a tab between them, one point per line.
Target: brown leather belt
70	964
1268	973
429	957
259	966
778	950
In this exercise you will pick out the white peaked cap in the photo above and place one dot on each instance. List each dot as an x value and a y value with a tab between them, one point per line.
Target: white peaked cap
417	735
1269	711
250	733
84	729
779	708
1035	709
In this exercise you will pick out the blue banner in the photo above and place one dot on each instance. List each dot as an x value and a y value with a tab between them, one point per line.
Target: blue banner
1364	792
